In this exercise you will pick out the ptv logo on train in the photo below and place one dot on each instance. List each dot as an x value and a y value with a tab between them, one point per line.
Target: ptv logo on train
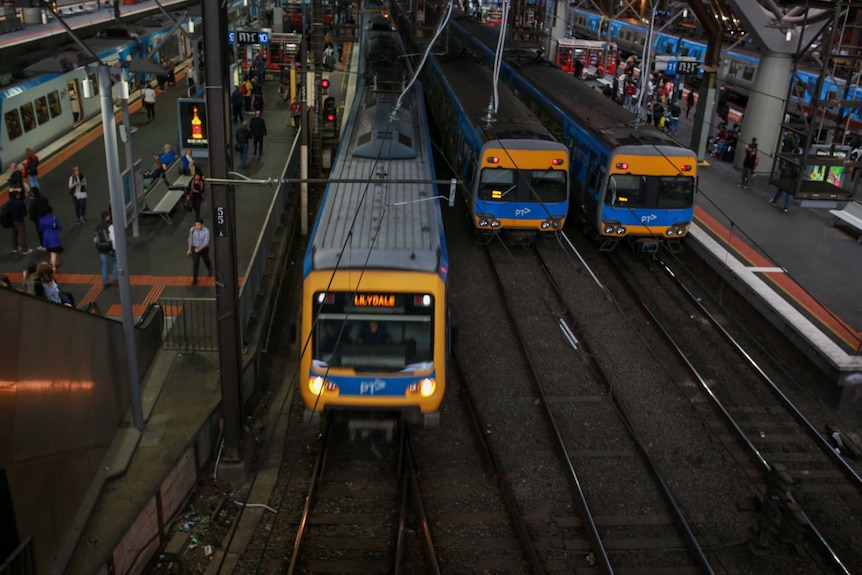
371	387
522	212
648	218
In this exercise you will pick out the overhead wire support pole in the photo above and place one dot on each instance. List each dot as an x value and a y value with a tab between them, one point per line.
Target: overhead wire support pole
223	227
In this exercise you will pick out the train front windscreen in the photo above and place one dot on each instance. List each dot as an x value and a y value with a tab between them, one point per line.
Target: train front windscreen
650	192
505	184
374	332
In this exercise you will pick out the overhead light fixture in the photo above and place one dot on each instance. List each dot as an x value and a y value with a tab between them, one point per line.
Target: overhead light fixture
788	35
191	26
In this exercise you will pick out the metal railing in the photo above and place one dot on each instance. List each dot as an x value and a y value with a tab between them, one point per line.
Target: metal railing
22	561
189	324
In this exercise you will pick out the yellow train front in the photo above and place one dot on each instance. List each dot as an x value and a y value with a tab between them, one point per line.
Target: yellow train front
374	310
377	343
647	197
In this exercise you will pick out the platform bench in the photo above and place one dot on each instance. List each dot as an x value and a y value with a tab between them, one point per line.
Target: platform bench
162	197
851	214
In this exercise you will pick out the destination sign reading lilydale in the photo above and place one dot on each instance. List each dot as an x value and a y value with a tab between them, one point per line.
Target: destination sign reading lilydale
373	300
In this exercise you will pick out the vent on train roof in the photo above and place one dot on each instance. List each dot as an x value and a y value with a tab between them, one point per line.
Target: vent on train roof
380	136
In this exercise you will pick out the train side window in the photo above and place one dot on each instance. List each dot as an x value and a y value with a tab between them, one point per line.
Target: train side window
41	105
28	117
54	104
13	124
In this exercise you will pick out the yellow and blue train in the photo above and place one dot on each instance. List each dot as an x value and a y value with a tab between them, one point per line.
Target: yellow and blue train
515	171
629	182
374	303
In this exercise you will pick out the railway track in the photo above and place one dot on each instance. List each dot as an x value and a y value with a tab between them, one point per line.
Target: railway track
804	488
355	514
627	517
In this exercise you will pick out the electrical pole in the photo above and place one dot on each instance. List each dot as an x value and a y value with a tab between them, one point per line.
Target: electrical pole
223	227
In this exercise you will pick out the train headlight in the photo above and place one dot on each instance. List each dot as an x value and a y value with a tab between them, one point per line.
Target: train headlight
483	222
495	223
318	384
425	388
609	228
546	225
620	230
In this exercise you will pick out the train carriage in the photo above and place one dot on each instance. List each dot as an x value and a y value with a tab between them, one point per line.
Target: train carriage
374	306
41	109
630	182
515	171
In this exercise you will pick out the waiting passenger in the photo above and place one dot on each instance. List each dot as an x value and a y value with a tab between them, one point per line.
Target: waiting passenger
372	333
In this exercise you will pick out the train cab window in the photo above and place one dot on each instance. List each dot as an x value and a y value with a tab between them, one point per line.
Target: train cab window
626	191
675	192
376	342
54	104
13	124
497	184
28	117
548	185
41	105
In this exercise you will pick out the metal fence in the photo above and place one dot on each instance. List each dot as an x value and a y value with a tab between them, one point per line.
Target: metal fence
191	324
22	561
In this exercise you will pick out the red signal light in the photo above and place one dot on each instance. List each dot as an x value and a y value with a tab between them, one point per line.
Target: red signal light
324	84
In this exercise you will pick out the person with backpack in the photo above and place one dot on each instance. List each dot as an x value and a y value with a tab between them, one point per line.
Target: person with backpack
103	239
13	216
31	168
49	227
16	180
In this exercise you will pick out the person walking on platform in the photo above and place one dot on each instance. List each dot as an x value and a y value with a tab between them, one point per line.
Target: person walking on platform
31	168
17	213
246	90
149	96
689	103
296	112
16	179
243	135
39	206
258	131
78	189
749	163
790	172
236	102
195	195
49	228
199	248
106	246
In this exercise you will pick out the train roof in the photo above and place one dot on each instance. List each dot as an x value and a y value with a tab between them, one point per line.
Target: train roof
473	87
572	96
375	221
